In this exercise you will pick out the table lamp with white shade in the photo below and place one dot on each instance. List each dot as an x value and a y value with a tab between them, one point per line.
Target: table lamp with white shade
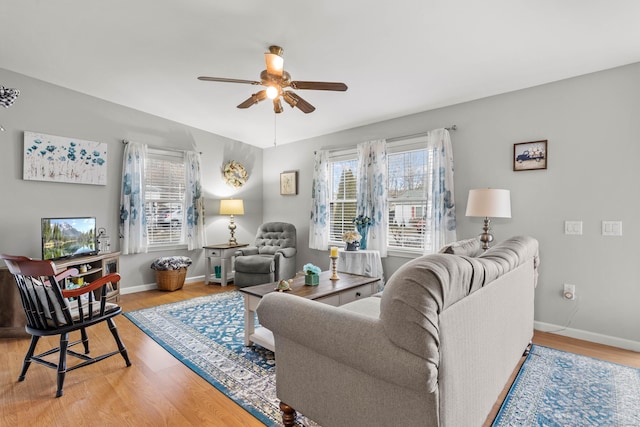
232	207
488	203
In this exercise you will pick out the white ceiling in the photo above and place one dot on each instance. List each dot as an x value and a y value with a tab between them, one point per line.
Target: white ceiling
397	57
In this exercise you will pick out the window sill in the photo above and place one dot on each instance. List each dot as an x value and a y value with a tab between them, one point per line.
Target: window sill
403	253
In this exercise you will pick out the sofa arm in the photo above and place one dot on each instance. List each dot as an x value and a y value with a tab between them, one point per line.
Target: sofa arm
287	252
349	338
251	250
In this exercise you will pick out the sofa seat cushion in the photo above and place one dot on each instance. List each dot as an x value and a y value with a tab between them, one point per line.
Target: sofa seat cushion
367	306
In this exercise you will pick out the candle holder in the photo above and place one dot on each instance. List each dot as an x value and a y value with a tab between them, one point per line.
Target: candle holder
334	268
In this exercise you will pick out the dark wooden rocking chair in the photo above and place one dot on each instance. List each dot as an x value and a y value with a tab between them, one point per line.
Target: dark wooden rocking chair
52	310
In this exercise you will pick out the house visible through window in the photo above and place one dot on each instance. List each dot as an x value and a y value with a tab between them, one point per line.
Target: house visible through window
408	163
165	184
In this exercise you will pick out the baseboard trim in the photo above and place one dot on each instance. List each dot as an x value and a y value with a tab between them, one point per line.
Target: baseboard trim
151	286
588	336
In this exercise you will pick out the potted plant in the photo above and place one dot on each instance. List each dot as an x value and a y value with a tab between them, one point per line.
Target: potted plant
352	239
311	274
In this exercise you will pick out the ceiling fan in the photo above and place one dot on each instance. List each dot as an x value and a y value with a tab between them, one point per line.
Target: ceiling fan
276	80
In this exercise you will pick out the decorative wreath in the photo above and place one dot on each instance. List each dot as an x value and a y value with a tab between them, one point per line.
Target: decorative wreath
235	174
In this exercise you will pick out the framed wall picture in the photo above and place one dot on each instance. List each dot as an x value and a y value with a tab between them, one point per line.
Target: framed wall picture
530	155
64	159
289	183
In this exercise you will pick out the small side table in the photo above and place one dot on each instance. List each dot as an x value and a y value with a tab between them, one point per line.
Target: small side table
362	262
223	253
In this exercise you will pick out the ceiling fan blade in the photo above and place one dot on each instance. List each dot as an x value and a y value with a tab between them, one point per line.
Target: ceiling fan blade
224	80
295	100
319	85
275	61
253	99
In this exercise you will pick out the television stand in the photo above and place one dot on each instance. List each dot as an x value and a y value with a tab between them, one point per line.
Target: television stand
98	266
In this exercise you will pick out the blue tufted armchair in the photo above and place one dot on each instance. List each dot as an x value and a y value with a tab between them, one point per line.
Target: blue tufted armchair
272	258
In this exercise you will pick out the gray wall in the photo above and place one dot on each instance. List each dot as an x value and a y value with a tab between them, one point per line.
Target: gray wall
592	125
590	121
53	110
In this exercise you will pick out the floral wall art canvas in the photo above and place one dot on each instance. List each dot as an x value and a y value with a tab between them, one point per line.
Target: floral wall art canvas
63	159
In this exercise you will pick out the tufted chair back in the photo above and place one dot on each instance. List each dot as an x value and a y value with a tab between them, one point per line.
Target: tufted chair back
272	236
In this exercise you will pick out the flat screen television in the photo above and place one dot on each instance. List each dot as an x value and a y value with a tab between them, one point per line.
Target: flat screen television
64	238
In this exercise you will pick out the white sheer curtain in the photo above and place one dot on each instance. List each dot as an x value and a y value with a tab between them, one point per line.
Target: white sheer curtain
441	211
318	224
133	228
194	202
372	195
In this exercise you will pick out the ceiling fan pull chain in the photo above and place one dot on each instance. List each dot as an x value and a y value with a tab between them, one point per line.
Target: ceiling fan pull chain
275	128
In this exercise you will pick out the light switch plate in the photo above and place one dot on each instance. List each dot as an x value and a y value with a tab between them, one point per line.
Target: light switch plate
612	228
573	227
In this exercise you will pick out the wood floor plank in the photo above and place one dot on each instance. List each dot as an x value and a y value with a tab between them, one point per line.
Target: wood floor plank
157	390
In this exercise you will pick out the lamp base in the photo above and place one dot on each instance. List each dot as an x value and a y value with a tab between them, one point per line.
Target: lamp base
232	230
486	237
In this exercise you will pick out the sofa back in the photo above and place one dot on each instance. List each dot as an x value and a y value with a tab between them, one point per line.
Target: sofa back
421	289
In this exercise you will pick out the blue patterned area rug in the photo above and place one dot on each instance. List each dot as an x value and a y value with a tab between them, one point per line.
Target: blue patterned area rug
207	335
556	388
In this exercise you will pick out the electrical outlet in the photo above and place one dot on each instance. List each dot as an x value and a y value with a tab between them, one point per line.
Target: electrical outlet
569	291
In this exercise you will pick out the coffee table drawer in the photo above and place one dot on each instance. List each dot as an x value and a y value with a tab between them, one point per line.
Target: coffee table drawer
333	300
356	293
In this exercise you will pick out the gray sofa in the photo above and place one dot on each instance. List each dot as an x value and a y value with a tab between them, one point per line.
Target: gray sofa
435	349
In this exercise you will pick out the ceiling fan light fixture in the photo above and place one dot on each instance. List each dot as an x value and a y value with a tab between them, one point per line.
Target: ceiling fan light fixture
275	62
277	106
272	92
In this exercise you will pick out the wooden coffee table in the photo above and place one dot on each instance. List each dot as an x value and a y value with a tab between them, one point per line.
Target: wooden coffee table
349	288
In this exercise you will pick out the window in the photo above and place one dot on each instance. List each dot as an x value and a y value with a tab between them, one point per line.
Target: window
165	184
408	163
407	199
342	203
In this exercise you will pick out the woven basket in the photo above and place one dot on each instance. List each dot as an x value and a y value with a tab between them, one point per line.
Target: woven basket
170	280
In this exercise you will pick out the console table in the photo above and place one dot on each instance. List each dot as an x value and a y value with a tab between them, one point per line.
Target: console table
223	256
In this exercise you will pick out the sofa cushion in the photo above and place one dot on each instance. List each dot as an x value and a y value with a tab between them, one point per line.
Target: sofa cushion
368	306
256	264
468	247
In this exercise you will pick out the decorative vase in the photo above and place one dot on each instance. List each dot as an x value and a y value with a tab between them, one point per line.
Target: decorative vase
363	230
311	279
353	246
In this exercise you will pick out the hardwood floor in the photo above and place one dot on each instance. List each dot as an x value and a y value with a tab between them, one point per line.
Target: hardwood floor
157	390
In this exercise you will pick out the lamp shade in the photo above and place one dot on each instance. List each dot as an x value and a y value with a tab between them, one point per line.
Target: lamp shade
231	207
489	203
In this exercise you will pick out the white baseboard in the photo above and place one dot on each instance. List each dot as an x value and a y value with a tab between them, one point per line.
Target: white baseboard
151	286
588	336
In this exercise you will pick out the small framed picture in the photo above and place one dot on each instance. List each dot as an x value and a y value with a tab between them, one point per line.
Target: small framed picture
530	155
289	183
